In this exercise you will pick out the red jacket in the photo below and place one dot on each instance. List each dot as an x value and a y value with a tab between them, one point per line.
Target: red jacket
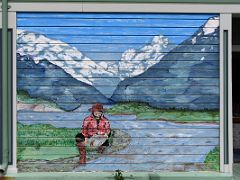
90	126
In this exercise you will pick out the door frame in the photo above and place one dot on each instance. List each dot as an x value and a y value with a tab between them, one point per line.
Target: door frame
12	26
225	12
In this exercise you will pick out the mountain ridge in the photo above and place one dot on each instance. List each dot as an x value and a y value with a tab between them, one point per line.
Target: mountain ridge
79	66
191	92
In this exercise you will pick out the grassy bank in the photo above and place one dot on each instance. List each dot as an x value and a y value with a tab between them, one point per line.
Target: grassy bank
142	110
44	141
146	112
212	160
23	96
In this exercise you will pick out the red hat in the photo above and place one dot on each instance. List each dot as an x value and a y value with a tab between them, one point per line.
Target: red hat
97	107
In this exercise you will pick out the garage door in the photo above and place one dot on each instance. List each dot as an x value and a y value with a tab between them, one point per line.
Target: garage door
105	91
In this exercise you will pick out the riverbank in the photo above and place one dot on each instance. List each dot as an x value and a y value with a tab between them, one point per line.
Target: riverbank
44	148
142	110
145	112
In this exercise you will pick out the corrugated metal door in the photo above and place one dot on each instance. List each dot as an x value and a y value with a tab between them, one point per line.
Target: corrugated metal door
154	78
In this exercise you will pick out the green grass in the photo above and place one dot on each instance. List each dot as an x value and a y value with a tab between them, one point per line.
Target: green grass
24	97
44	141
212	160
47	153
146	112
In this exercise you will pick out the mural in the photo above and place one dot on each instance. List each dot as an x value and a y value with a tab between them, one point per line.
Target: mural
101	92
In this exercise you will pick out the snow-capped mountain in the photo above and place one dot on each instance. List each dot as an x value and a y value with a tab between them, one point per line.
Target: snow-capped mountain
39	47
210	26
60	87
135	62
84	69
174	75
187	77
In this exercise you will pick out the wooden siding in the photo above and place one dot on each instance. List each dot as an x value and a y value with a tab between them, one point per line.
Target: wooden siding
156	74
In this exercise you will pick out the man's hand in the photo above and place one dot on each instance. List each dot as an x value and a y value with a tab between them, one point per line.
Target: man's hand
86	140
103	135
91	144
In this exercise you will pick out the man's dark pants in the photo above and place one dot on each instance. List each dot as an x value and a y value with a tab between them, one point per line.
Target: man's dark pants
82	147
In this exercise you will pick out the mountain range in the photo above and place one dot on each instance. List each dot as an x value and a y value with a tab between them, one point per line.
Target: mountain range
162	75
95	73
187	77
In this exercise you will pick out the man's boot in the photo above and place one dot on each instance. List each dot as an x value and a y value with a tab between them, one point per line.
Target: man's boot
101	149
82	153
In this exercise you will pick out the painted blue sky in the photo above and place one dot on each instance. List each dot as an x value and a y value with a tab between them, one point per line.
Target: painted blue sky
111	33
